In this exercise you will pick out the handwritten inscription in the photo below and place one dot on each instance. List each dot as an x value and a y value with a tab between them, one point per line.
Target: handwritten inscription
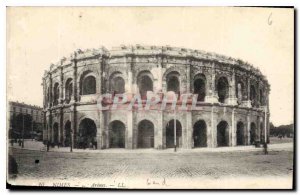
157	182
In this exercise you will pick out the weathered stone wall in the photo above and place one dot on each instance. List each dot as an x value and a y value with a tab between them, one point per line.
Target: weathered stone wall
129	62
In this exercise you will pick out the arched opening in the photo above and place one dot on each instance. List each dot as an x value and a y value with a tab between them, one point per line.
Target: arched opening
117	134
199	134
170	134
87	84
173	83
145	83
68	134
68	90
240	134
223	134
55	134
223	89
87	133
118	85
56	93
199	87
145	134
253	95
252	133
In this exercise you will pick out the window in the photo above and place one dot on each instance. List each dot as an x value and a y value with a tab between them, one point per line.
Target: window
223	88
88	85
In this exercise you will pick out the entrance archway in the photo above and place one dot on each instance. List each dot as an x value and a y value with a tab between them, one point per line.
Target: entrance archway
87	133
199	134
252	133
223	134
117	134
170	134
145	134
240	133
55	134
68	134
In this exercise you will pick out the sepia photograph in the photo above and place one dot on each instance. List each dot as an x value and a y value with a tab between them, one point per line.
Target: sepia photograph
150	97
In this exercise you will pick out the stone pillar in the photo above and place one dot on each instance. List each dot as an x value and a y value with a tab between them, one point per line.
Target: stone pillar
50	89
101	133
212	97
75	87
61	133
189	131
61	94
130	135
233	128
208	134
158	131
248	129
73	126
49	126
232	100
247	103
188	78
213	129
130	81
99	130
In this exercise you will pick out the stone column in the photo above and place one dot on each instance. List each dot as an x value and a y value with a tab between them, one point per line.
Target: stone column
188	78
212	97
158	131
232	100
73	125
99	130
50	89
213	129
189	131
248	129
100	125
247	103
233	128
75	87
130	135
61	95
49	126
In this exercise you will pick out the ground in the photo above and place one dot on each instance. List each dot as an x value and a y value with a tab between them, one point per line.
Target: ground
186	165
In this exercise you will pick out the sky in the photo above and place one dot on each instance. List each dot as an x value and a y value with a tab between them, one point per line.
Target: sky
264	37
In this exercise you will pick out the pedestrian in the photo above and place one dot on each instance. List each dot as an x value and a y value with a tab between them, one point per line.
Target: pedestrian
48	146
95	143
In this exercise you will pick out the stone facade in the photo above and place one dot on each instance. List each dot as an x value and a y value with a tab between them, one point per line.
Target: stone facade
232	107
16	109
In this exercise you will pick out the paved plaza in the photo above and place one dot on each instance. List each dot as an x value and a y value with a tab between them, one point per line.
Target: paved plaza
59	164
